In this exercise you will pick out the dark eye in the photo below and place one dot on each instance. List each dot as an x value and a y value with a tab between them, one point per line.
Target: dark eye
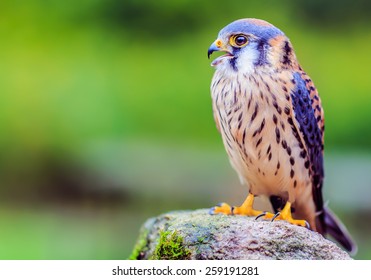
238	40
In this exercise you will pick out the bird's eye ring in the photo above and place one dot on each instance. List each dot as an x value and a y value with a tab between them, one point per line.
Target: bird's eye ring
238	40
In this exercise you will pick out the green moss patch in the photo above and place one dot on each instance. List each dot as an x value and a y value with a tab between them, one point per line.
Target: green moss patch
170	247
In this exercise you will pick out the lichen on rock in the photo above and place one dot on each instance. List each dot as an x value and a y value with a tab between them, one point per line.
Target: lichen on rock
198	235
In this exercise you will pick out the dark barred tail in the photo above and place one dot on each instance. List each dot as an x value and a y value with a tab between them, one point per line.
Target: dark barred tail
336	229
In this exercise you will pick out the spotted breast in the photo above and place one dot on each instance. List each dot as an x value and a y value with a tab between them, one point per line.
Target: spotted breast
252	112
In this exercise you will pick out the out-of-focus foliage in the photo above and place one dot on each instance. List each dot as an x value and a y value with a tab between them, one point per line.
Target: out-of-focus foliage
100	99
333	13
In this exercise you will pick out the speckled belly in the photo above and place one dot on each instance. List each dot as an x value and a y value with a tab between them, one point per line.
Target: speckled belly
261	143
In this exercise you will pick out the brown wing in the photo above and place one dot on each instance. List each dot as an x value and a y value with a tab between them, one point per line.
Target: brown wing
308	121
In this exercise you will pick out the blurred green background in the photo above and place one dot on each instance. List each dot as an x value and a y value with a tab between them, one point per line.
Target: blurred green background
105	116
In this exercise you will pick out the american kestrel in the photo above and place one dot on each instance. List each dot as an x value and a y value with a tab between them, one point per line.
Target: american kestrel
270	117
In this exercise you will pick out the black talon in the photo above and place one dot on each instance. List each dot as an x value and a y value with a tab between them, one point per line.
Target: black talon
275	216
232	208
307	225
260	215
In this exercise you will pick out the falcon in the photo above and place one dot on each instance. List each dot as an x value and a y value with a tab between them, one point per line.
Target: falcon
271	120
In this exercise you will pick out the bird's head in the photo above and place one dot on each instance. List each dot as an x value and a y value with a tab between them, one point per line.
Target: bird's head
250	43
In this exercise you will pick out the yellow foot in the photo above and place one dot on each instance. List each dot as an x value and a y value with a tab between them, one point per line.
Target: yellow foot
245	209
222	208
285	215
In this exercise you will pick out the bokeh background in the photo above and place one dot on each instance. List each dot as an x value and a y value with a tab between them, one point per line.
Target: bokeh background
105	116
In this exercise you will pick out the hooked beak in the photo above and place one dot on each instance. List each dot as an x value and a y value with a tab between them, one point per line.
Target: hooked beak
218	46
213	48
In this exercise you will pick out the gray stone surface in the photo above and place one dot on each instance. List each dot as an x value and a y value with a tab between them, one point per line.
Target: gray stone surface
204	236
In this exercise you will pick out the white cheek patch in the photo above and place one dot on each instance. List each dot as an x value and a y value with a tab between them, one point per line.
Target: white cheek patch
246	60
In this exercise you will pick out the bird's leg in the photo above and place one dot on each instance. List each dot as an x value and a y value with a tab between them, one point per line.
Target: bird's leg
245	209
285	215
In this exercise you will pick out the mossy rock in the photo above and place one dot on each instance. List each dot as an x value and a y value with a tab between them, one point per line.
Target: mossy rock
197	235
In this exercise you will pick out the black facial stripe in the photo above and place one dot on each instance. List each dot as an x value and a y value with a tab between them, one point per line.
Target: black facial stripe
262	48
232	61
286	53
